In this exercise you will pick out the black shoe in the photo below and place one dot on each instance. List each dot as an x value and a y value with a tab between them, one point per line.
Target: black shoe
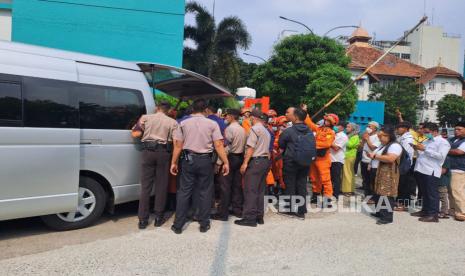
382	222
176	230
219	217
376	215
418	214
429	219
244	222
143	224
314	199
260	221
300	215
159	221
204	229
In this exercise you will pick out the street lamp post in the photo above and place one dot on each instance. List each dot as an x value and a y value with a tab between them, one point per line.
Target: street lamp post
247	54
300	23
340	27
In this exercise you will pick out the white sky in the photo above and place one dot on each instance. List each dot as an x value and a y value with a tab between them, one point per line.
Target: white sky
387	18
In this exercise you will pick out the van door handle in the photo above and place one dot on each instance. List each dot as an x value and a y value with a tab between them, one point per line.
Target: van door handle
91	141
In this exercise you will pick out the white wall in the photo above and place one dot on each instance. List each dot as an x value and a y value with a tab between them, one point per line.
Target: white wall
429	45
5	25
363	86
442	86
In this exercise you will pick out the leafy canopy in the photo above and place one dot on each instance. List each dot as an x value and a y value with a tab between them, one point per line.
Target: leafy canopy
400	95
451	109
306	68
214	52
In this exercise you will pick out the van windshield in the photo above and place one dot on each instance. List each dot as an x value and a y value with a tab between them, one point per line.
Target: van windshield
181	83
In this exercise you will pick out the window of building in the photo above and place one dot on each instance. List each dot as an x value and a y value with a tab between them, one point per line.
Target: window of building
443	86
11	113
405	56
109	108
360	82
431	104
397	55
49	103
432	85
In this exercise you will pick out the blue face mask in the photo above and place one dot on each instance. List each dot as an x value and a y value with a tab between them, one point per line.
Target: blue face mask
429	136
226	122
336	129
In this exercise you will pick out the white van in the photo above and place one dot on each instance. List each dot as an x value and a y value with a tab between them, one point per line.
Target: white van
66	152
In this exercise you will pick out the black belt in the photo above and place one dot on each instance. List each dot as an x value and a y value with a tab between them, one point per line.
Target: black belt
198	154
237	154
260	157
153	145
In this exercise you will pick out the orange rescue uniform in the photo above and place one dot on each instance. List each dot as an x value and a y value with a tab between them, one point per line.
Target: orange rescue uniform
320	170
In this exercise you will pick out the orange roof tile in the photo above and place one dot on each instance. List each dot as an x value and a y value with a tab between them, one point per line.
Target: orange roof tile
441	71
390	65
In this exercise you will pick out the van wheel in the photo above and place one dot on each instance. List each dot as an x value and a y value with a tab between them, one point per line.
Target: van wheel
91	204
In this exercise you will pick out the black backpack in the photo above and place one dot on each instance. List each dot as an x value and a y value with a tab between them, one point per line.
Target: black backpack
405	161
305	148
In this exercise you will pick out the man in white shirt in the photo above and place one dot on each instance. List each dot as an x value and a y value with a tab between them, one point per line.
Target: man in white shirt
338	150
457	167
431	155
407	187
371	142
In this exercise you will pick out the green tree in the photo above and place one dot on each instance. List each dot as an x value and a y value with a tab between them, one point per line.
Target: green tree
160	96
300	69
451	109
325	83
402	95
215	51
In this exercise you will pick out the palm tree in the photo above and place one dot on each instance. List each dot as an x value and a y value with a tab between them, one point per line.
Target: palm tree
215	47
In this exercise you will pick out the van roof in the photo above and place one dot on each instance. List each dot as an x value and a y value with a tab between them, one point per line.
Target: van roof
51	52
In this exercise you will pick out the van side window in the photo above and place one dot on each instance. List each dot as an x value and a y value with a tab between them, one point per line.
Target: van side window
103	107
49	104
11	113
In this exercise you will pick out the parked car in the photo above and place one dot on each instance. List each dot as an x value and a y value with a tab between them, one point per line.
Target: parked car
66	153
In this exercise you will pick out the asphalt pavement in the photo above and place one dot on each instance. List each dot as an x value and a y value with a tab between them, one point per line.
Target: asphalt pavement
324	243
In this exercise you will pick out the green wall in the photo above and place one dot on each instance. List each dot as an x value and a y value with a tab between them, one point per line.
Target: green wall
136	30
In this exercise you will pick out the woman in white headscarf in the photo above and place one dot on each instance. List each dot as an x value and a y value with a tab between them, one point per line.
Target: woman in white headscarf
348	173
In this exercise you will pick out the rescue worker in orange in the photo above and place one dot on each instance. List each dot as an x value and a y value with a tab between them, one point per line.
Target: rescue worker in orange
320	170
246	123
277	158
270	177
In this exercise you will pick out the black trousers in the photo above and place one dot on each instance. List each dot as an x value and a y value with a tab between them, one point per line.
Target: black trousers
366	178
336	177
154	175
295	178
254	188
231	187
196	175
385	205
358	159
429	186
407	187
371	186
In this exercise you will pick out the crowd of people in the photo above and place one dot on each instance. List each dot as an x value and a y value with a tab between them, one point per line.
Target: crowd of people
231	160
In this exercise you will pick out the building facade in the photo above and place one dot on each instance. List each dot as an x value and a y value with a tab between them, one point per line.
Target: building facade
437	80
430	45
142	30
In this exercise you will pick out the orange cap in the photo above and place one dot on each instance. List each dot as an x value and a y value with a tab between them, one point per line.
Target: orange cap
333	118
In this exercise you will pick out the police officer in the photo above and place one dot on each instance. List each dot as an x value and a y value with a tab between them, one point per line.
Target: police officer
156	131
254	168
196	138
230	191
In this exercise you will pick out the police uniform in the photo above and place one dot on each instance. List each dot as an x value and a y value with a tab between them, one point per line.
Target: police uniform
231	186
157	142
198	135
255	174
